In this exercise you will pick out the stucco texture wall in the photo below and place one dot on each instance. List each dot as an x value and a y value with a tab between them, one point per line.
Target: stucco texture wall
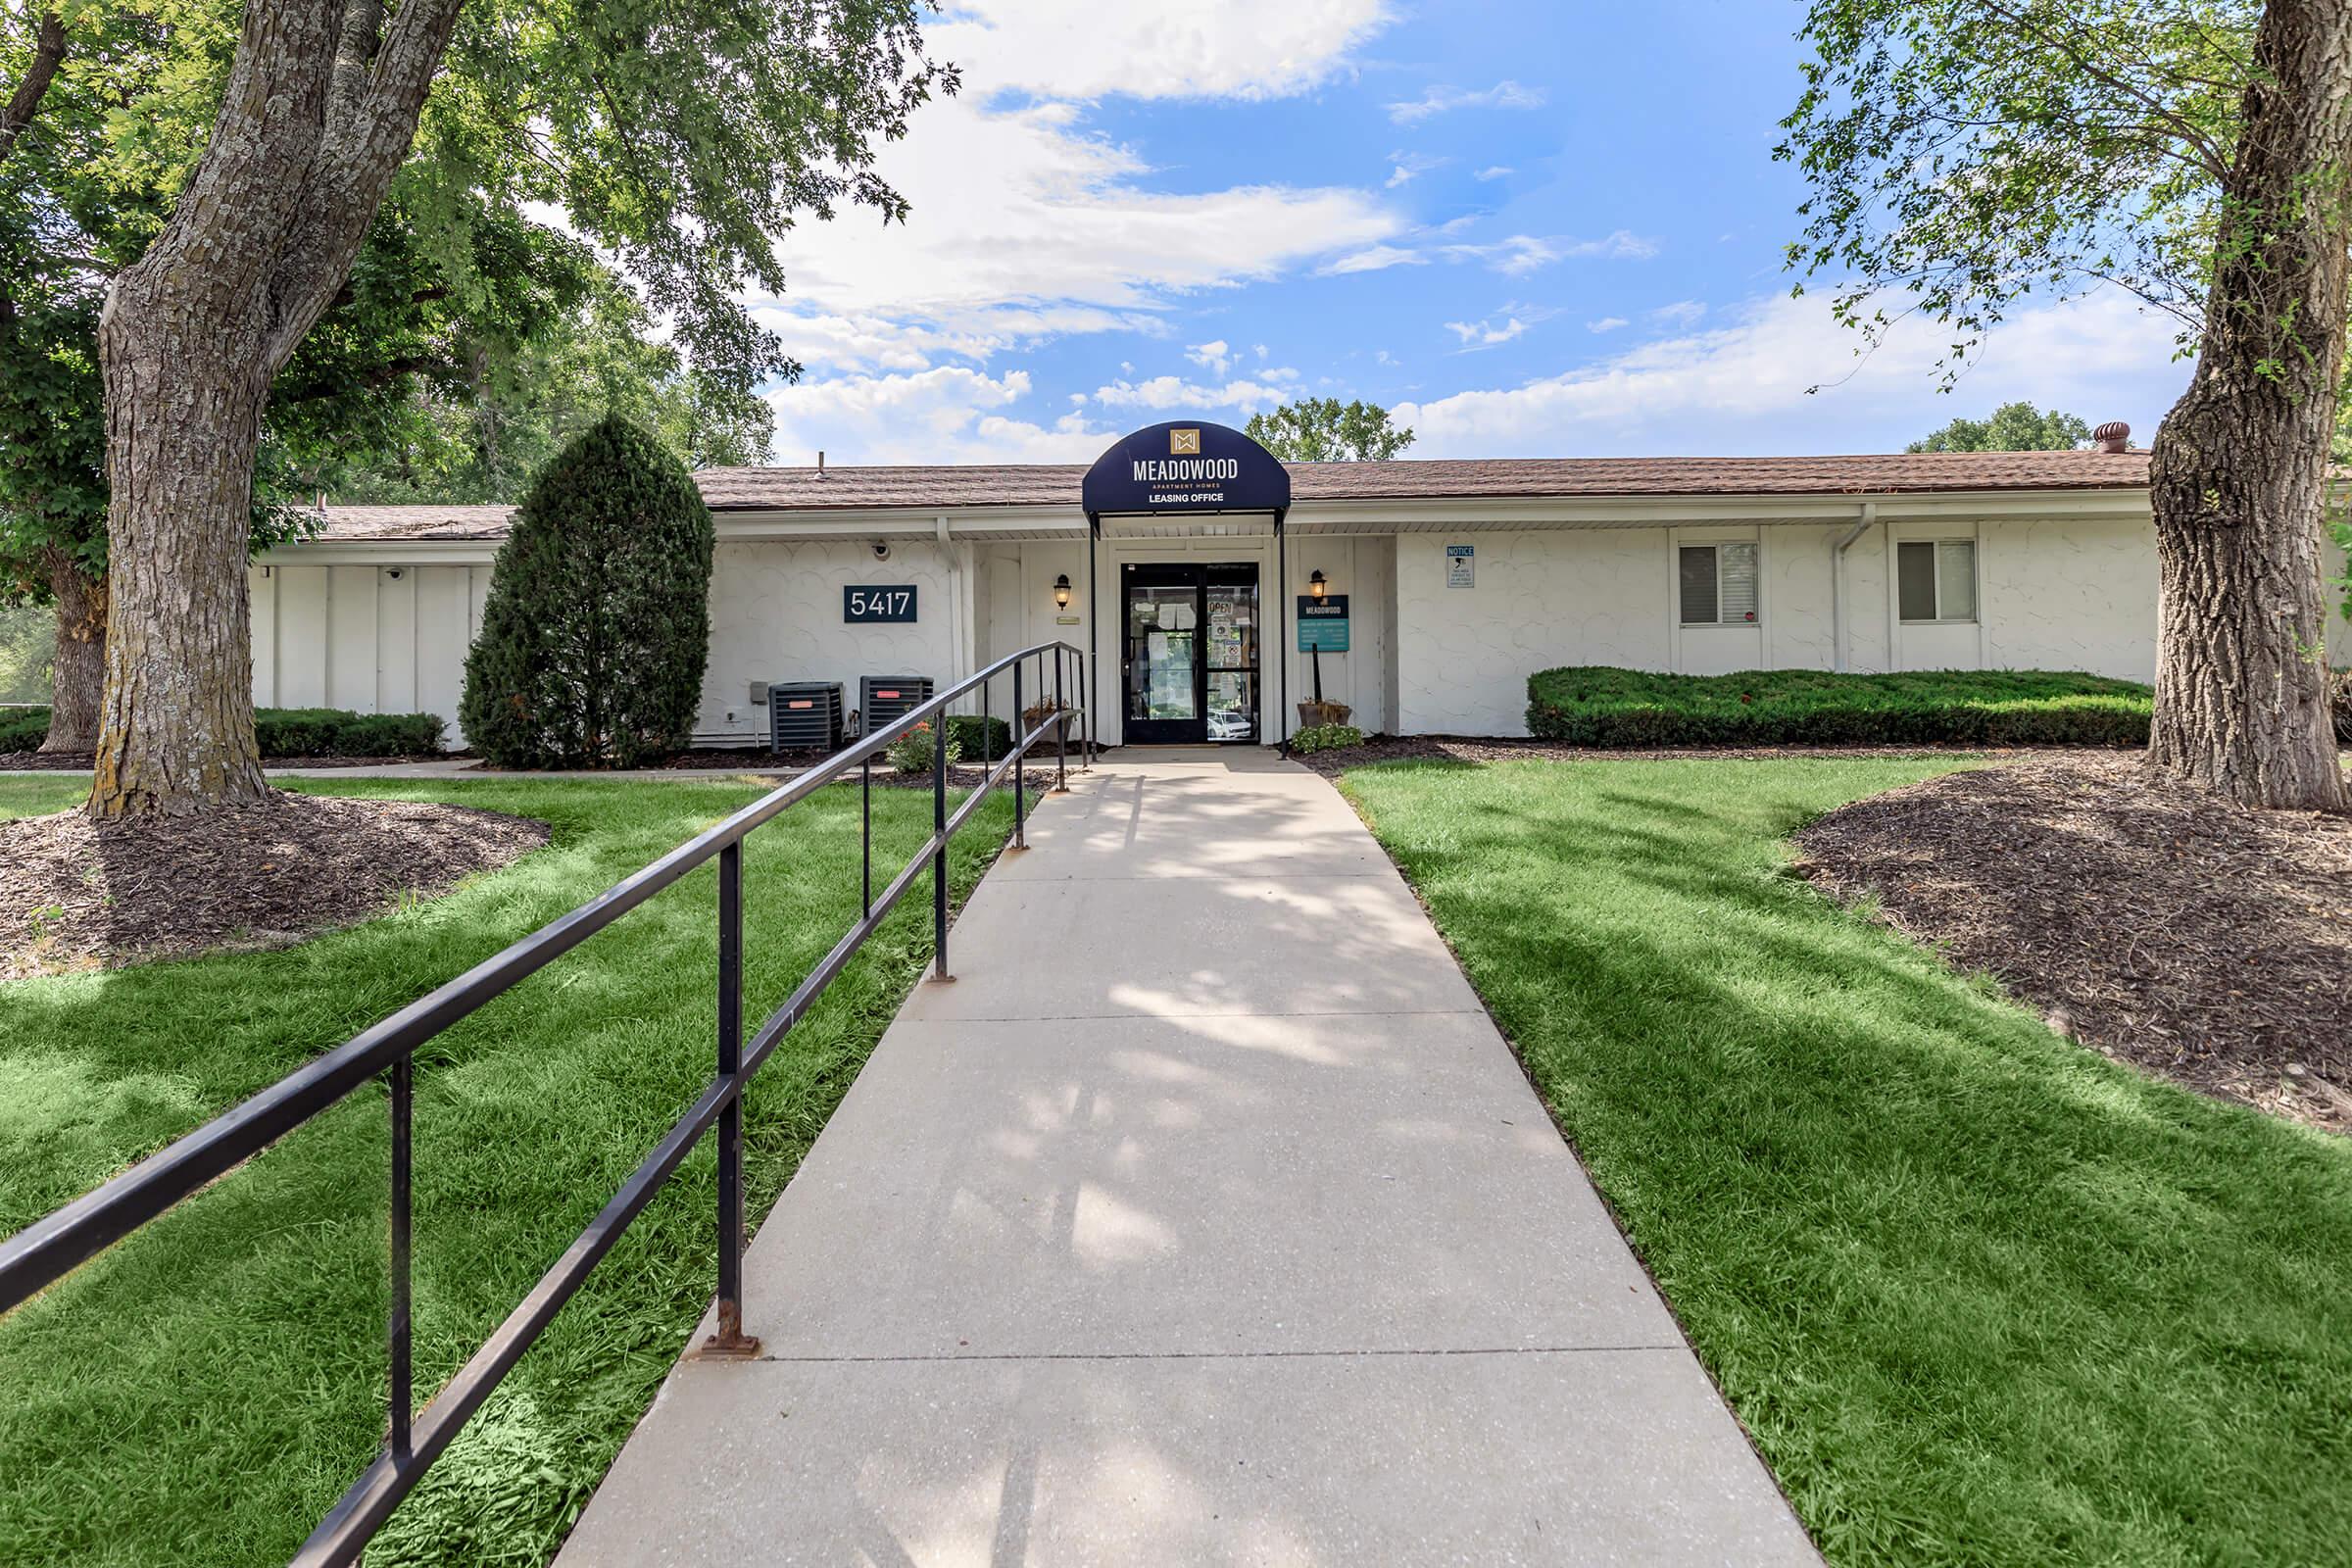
2073	594
1463	655
776	615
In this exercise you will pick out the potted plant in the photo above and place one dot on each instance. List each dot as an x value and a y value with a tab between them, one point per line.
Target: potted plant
1315	713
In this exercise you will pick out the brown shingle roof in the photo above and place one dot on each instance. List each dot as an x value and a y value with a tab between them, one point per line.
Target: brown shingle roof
960	485
1410	479
416	522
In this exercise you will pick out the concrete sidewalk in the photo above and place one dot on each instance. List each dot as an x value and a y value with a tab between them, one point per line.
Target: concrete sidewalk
1205	1218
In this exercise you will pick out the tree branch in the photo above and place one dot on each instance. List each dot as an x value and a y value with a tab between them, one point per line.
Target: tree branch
2209	157
354	164
378	376
48	53
355	56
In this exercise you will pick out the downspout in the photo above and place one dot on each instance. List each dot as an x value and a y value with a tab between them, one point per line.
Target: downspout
959	621
1837	550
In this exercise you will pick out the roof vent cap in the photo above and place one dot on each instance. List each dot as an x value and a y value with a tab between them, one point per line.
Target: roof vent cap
2113	436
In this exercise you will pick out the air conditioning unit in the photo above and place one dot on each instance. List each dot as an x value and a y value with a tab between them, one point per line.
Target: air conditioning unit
803	716
884	700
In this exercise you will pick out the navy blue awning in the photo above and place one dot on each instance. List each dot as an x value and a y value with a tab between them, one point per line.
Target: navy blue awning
1186	465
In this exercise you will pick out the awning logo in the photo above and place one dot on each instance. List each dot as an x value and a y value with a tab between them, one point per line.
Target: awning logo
1182	442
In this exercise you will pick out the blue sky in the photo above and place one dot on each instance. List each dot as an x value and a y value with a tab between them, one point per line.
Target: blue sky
1531	230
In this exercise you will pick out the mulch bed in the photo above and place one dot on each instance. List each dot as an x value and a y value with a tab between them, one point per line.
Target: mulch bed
83	761
2200	940
1466	749
79	895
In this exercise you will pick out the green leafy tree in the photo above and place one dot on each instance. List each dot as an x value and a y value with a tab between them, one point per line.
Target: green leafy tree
1327	430
478	434
1966	154
598	622
2013	427
106	122
681	145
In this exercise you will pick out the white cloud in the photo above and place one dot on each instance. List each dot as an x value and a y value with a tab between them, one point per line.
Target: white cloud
1202	49
1518	255
1405	166
1371	258
1175	392
826	342
1495	171
1606	323
1485	334
1743	386
1514	256
1216	358
1682	312
1504	94
950	413
1022	225
1511	322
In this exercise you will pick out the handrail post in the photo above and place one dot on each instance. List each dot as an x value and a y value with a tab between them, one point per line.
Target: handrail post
939	856
730	1341
1020	755
1086	752
866	836
1061	732
402	1393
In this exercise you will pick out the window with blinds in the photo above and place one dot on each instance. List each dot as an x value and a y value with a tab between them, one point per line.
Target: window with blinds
1935	579
1719	584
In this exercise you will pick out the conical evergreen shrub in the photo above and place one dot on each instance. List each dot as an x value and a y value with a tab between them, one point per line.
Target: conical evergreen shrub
598	622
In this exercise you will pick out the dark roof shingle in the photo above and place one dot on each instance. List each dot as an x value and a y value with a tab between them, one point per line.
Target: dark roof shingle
949	486
1429	478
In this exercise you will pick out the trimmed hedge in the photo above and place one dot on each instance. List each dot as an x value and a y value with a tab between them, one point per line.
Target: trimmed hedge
968	731
1601	706
22	729
339	732
285	732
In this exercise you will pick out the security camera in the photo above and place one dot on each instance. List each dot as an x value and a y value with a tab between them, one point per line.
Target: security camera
881	548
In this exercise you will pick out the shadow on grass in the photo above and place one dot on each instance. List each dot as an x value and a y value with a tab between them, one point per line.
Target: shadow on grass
1981	1296
204	1390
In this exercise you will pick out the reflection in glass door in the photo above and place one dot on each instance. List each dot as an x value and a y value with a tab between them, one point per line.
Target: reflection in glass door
1230	653
1190	654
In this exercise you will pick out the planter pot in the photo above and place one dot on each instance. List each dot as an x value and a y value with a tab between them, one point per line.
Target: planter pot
1311	714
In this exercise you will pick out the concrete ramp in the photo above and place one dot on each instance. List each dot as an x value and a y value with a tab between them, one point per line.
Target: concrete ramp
1205	1219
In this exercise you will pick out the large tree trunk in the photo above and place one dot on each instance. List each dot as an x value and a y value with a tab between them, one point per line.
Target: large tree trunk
78	672
2238	471
184	416
314	120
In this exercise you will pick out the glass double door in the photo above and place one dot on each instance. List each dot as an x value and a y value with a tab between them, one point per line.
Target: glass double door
1189	658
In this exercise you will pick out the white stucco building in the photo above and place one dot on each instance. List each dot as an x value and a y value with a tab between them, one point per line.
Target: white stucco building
1460	578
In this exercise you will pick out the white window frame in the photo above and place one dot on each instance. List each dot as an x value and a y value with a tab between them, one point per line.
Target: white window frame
1682	618
1976	583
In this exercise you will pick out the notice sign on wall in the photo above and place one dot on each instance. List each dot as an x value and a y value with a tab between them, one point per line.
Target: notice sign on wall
1461	565
894	603
1323	624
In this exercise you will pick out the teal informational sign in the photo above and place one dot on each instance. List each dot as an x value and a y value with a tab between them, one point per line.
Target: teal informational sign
1323	624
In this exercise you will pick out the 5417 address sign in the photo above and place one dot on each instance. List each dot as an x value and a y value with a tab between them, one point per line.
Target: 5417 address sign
894	602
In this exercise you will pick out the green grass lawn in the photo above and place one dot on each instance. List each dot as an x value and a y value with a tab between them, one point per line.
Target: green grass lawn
202	1392
1981	1296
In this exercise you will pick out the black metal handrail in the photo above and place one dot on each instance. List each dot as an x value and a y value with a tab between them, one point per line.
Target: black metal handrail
50	1247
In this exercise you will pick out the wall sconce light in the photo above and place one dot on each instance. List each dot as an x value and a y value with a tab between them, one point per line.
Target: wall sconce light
1317	585
1062	592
